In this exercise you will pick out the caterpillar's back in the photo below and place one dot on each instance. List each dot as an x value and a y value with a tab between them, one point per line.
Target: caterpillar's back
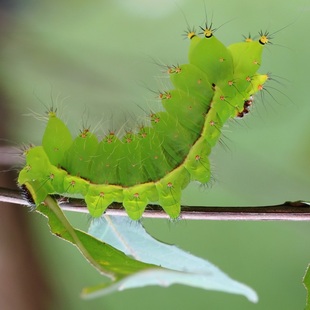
153	163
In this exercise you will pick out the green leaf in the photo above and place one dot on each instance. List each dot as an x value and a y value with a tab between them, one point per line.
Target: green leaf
306	282
127	272
108	260
182	267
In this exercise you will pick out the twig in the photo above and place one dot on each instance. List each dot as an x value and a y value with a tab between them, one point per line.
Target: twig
288	211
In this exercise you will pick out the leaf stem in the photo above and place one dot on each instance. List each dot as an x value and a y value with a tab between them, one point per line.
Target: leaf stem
52	204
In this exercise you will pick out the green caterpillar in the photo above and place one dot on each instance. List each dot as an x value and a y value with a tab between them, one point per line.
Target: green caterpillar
155	162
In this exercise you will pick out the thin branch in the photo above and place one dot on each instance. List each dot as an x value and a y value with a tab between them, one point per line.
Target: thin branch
288	211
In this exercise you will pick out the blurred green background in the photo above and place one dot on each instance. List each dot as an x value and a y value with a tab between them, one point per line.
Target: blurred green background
97	61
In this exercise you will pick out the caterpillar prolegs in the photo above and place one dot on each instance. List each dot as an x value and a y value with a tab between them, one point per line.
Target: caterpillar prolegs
157	161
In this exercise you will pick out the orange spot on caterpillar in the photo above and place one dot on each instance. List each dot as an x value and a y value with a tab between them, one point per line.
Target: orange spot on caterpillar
177	69
110	137
84	133
154	118
222	98
169	184
52	176
128	138
136	195
72	184
170	70
248	79
230	83
101	194
174	69
142	133
260	87
197	157
164	95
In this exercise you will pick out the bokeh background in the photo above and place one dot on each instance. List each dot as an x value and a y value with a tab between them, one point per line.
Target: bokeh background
97	62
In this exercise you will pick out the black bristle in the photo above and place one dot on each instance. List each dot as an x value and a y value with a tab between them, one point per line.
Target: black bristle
27	196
